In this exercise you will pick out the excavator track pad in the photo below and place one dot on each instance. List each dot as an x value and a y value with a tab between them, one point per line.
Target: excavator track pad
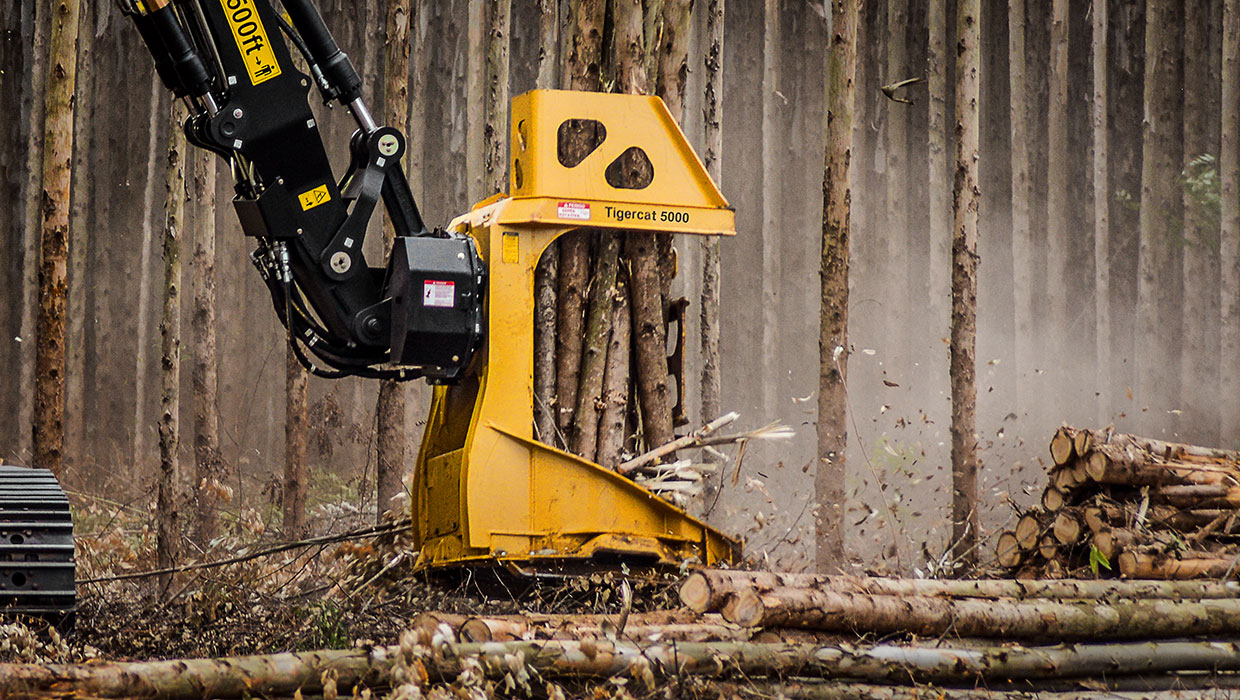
36	547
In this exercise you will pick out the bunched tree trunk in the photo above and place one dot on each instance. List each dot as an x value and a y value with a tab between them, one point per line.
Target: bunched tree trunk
296	430
833	316
49	390
708	316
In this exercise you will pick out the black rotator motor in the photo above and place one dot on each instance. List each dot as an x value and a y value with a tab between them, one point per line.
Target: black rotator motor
436	286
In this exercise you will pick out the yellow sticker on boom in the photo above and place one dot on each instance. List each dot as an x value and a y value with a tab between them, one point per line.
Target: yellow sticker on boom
314	197
251	36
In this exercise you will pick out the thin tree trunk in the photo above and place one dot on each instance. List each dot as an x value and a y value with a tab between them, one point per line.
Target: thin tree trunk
391	429
771	360
143	339
545	275
1058	177
495	133
37	25
670	74
833	317
49	396
712	116
612	423
1102	216
296	429
897	234
475	101
939	263
1229	239
75	361
209	474
167	532
965	200
1197	381
1160	199
1022	196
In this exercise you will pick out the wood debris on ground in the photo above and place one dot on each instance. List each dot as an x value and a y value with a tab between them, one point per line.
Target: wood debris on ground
1124	505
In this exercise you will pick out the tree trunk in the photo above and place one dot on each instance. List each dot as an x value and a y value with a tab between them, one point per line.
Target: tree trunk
1229	239
75	336
49	390
708	589
545	275
708	316
1102	216
37	25
1058	182
209	475
897	234
1022	194
594	358
1199	308
142	336
475	100
939	262
391	429
650	339
1048	620
495	133
584	72
1157	322
167	531
832	425
616	381
771	359
296	429
965	196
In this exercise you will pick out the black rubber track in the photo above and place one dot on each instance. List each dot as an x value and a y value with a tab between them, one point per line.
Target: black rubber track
36	546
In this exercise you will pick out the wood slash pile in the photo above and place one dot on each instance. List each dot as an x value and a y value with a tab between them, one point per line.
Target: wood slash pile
1118	504
760	635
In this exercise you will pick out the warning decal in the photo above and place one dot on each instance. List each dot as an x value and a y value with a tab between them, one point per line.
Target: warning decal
439	293
251	37
576	211
314	197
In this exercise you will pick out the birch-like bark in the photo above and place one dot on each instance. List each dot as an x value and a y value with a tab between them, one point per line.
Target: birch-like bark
939	164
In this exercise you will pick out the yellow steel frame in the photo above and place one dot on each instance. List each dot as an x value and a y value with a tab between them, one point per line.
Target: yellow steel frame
484	489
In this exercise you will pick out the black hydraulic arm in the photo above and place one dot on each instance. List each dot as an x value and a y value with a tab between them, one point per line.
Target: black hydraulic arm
248	102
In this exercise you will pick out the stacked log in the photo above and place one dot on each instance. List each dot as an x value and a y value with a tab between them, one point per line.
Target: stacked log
1123	505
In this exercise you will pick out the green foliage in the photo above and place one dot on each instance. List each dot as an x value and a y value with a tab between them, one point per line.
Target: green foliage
1202	195
1097	559
327	626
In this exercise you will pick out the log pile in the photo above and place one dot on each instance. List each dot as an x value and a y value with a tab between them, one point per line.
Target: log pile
705	655
1123	505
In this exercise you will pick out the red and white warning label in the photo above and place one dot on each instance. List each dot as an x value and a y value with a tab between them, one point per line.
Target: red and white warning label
439	293
577	211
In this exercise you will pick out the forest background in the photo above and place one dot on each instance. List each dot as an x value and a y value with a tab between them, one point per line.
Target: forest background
1108	250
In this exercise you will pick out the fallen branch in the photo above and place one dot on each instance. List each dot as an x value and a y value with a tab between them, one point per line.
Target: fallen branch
678	444
363	533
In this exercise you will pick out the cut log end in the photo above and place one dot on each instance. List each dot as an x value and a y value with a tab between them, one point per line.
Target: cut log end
1028	528
695	593
1066	528
1007	550
1061	447
1053	499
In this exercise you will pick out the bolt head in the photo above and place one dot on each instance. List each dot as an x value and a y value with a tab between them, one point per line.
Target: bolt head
341	262
237	113
388	145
